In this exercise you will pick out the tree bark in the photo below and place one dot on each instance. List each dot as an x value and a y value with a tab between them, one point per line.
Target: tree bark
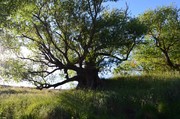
88	78
169	62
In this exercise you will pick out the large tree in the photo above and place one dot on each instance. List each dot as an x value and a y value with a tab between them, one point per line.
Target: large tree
79	36
163	38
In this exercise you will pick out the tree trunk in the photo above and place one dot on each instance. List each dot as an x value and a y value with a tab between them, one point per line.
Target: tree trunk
88	78
169	62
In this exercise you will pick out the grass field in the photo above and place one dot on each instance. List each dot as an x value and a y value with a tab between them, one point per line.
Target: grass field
136	97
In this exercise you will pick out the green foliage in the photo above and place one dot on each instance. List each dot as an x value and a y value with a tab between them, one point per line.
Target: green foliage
163	25
17	70
159	48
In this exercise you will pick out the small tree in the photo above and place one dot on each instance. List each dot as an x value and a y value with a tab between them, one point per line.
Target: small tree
163	37
73	35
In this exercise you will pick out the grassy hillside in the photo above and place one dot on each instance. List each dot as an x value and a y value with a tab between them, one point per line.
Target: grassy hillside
143	97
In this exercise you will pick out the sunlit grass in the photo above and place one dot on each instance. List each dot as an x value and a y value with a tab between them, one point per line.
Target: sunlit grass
132	97
20	103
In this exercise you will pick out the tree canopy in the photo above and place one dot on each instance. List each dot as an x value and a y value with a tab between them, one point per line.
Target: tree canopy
75	35
164	29
159	50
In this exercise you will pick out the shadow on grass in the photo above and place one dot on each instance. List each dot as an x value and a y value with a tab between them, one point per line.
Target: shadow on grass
126	98
12	91
122	98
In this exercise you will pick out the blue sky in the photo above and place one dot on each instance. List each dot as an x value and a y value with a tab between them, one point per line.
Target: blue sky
137	7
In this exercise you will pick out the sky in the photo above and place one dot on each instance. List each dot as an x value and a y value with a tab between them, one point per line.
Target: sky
137	7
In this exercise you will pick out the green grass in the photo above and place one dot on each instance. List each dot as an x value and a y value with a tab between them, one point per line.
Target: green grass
133	97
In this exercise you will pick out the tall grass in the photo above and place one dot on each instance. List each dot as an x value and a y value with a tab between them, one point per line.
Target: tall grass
135	97
26	103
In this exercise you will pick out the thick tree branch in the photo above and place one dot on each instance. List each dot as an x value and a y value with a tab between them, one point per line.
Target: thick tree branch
116	57
46	85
